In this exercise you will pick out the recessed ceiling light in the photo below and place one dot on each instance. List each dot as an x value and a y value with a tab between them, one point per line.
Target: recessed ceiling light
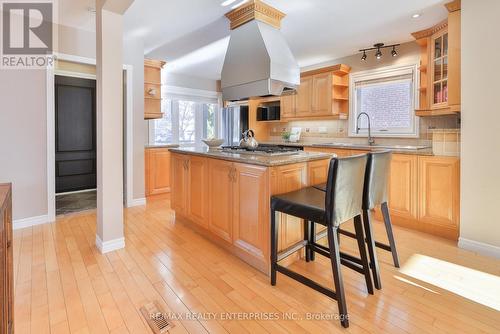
227	3
416	15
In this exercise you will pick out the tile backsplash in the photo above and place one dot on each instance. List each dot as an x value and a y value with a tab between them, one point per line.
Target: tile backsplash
328	130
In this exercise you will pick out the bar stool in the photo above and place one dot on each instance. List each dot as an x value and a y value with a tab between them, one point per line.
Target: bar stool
375	194
341	202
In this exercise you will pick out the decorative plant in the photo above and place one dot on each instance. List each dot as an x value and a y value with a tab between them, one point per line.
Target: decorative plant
285	135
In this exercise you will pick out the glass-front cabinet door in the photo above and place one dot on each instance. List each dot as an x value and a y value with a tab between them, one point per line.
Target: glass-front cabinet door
439	69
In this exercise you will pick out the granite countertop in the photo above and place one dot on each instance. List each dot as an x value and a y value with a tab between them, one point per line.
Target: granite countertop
401	149
255	159
161	145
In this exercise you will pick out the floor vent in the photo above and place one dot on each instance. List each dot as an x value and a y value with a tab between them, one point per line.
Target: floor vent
154	315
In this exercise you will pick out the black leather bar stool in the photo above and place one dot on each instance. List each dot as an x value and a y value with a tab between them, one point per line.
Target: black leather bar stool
341	202
375	194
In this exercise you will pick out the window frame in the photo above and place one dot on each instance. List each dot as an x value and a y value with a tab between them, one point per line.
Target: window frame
382	73
173	93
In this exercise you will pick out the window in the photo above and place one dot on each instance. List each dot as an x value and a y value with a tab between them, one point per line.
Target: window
388	96
186	120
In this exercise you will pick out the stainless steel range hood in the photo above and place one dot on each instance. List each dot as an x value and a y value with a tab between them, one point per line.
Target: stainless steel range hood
258	62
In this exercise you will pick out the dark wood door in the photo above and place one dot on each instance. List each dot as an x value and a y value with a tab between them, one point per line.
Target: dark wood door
75	134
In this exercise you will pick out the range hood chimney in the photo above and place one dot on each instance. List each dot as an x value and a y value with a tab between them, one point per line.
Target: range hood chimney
258	60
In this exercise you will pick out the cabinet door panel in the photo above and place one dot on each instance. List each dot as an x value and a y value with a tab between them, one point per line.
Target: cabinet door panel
322	94
287	105
158	171
290	178
318	171
220	198
250	210
439	193
198	190
304	95
179	179
403	186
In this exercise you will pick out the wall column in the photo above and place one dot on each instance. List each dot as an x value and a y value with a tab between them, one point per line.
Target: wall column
109	59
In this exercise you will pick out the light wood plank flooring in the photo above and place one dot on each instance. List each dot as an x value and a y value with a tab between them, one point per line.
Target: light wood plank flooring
63	284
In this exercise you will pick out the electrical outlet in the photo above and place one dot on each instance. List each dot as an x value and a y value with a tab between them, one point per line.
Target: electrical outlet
307	130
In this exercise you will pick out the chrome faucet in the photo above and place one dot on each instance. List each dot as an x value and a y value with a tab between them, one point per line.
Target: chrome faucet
371	141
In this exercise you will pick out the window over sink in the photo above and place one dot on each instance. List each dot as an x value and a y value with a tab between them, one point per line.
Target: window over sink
388	96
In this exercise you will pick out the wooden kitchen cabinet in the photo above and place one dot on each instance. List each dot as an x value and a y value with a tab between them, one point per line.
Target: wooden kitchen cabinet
251	210
440	78
304	97
321	94
287	106
197	190
220	196
157	167
424	191
403	187
152	88
6	261
179	174
290	178
439	195
318	172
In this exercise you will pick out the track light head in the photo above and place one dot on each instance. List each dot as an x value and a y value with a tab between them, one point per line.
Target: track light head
363	57
394	53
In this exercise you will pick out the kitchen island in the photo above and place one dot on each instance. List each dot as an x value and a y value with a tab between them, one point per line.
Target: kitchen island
226	196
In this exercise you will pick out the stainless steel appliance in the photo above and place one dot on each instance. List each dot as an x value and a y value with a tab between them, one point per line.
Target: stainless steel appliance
234	123
268	113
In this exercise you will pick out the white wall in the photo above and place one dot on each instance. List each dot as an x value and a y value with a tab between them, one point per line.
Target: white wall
23	140
23	146
480	163
133	54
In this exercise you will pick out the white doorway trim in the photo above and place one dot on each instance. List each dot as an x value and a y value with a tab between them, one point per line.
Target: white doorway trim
51	150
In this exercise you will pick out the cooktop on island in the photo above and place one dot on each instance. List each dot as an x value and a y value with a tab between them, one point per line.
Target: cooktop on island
263	150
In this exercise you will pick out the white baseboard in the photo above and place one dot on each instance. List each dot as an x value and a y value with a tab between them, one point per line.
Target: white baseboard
30	221
479	247
109	246
137	202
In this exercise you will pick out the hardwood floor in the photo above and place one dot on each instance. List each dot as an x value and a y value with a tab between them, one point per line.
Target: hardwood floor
64	285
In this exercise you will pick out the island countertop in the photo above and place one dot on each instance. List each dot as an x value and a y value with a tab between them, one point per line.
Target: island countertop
255	159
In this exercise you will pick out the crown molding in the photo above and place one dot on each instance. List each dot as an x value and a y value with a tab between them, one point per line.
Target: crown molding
430	31
454	6
255	10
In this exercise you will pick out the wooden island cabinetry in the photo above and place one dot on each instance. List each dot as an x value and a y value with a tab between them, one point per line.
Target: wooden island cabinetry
229	202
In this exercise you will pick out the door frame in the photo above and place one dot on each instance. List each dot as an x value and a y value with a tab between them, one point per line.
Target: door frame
51	72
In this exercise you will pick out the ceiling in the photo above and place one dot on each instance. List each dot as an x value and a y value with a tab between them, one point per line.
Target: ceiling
192	36
77	14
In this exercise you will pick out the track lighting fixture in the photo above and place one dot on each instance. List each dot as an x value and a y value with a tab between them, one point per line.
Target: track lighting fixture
378	53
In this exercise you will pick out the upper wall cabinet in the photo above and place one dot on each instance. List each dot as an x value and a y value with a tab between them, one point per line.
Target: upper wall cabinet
152	88
322	94
440	65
